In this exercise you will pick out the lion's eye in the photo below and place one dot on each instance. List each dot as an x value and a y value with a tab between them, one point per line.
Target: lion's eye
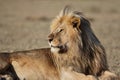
60	30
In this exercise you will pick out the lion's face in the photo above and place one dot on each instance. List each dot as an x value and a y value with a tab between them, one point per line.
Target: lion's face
64	31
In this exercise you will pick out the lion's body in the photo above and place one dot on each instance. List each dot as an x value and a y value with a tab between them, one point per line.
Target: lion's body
31	64
75	53
36	65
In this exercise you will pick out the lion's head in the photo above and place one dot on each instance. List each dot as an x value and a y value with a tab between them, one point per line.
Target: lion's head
72	35
64	31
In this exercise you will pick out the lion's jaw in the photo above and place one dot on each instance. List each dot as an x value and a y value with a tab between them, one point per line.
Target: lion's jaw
55	50
58	48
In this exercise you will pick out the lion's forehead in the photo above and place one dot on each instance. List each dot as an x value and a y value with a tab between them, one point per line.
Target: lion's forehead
61	22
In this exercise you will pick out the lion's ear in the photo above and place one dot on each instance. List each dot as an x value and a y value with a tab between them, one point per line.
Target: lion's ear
75	22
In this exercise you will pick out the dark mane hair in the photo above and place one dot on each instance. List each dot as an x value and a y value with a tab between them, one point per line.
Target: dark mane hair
94	52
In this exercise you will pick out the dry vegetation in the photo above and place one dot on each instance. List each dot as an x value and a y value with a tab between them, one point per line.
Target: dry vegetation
24	24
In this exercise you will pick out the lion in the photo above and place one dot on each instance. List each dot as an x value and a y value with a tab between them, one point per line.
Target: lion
75	53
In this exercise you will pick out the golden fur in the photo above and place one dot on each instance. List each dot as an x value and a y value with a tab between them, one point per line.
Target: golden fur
75	54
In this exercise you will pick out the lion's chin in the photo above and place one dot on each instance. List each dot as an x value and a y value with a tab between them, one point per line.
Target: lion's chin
58	49
55	50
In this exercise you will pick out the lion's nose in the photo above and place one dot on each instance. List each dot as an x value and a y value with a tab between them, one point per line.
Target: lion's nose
50	37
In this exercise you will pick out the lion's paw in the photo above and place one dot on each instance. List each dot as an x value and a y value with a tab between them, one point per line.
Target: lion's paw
107	75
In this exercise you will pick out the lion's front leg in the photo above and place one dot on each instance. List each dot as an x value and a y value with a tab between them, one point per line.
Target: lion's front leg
107	75
6	69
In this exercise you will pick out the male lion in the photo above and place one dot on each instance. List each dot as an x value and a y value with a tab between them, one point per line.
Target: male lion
75	54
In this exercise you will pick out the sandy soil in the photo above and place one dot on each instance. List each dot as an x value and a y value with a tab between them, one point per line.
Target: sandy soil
24	24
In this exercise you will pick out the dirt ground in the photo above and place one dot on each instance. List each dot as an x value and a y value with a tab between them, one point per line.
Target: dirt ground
24	24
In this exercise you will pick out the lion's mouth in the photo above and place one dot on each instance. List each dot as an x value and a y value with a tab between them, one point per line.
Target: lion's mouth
59	48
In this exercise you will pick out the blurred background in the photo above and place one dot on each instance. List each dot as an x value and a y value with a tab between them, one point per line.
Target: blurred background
24	24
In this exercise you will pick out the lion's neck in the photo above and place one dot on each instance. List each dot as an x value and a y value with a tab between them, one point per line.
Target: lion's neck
69	60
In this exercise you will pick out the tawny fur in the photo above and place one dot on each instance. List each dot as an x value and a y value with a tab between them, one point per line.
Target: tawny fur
75	54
